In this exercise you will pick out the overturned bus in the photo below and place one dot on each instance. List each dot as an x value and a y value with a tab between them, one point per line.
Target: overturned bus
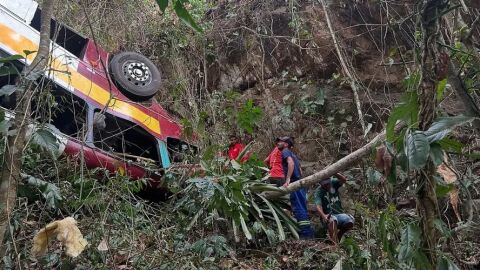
103	104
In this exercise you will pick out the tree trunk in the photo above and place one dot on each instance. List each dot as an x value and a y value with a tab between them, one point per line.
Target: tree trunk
10	174
434	67
471	108
339	166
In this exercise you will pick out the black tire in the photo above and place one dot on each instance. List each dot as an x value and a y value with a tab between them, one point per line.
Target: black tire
135	75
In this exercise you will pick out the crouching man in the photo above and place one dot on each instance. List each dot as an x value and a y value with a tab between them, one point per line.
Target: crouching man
329	207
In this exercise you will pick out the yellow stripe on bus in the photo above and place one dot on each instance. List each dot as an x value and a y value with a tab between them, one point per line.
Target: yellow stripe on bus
19	43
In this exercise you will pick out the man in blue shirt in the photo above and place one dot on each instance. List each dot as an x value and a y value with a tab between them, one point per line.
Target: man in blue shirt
298	199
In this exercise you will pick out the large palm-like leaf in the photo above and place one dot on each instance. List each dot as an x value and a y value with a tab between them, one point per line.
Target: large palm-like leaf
233	190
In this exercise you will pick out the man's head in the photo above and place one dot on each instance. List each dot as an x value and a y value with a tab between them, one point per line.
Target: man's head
233	139
326	184
284	142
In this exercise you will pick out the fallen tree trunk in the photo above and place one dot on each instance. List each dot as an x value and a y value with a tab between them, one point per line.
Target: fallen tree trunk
341	165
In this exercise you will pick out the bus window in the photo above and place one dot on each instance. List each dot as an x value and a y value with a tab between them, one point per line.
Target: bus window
70	116
124	138
62	35
8	101
179	150
53	105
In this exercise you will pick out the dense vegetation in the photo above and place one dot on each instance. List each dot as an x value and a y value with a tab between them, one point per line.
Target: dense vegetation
334	75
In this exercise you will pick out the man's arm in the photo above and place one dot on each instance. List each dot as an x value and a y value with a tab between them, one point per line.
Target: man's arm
323	216
291	166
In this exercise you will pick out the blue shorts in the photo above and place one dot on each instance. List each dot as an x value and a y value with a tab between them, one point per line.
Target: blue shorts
343	219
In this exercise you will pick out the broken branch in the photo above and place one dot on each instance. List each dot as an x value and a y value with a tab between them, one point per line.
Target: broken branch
353	82
341	165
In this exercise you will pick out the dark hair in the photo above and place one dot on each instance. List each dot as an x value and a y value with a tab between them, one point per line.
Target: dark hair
288	140
326	181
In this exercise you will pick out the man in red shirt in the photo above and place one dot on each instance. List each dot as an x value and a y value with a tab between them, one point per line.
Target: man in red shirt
235	148
274	162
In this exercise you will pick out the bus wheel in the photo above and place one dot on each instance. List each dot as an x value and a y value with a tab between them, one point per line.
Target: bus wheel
136	76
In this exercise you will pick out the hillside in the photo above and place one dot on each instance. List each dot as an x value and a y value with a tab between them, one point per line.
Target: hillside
331	74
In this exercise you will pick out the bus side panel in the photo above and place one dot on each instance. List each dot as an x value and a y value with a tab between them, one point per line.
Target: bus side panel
96	159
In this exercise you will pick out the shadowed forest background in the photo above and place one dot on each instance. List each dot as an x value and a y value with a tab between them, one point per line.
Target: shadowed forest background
332	74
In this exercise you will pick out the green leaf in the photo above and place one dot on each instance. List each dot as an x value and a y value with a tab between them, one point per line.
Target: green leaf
320	97
49	191
11	58
187	128
163	4
183	14
8	70
287	99
281	232
245	151
442	188
373	176
442	227
247	233
235	164
263	187
444	125
402	161
7	90
418	149
436	154
406	110
4	127
45	139
451	145
421	261
7	262
441	89
287	110
475	155
205	166
392	176
382	231
410	243
286	218
194	220
235	231
248	116
444	263
293	231
28	52
255	206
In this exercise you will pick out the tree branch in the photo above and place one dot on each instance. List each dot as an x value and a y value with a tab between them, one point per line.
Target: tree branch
11	169
353	82
341	165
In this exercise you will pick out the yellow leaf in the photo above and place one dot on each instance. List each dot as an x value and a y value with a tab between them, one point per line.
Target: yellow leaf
450	177
66	231
103	246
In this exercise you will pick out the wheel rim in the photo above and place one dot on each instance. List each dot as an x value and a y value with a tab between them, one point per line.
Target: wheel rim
137	73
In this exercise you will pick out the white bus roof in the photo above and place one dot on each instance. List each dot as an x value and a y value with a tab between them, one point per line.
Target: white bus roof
23	9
